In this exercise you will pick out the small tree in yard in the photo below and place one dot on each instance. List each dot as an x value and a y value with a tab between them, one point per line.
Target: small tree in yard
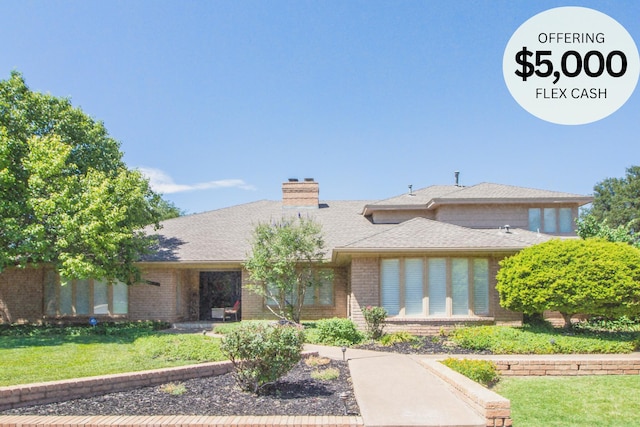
285	263
594	277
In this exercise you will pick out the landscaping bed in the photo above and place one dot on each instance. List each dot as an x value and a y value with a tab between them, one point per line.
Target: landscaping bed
422	345
297	393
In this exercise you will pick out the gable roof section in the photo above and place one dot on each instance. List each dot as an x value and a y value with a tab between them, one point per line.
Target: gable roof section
436	195
421	234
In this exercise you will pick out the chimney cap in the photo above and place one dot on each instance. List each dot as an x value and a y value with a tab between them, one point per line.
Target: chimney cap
293	179
308	179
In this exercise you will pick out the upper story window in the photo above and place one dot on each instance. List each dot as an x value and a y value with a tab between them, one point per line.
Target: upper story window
551	220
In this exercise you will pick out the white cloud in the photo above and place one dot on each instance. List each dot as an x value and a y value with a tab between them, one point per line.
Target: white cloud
163	183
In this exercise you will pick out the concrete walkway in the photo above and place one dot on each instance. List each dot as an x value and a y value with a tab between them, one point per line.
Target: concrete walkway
395	390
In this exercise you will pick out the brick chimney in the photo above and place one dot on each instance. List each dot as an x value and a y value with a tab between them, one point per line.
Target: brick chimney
301	194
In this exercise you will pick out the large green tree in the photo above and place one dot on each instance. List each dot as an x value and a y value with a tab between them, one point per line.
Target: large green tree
572	276
616	203
285	262
66	197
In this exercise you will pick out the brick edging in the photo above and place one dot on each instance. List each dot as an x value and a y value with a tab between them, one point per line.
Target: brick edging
495	409
180	420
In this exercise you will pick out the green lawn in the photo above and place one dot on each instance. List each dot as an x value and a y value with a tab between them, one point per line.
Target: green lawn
27	359
573	401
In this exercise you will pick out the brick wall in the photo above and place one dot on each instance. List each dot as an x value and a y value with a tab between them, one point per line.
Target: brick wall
148	302
21	295
365	277
568	366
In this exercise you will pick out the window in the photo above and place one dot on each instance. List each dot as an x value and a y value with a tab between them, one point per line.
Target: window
86	297
551	220
435	286
390	289
319	295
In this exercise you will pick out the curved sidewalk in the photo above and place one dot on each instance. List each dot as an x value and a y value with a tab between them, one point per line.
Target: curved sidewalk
396	390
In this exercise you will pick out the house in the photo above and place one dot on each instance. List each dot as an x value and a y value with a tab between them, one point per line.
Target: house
429	256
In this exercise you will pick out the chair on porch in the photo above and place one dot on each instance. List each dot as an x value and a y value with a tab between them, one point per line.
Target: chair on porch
233	311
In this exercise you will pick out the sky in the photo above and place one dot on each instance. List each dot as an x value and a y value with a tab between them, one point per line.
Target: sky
218	102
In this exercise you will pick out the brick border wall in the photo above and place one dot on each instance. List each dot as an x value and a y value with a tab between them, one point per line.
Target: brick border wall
495	409
180	420
567	367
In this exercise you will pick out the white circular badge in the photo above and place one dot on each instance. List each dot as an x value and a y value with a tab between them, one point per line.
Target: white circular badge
571	65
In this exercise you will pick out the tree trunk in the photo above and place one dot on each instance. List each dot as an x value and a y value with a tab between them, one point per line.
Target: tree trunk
567	320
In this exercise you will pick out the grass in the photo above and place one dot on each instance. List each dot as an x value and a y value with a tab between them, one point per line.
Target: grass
573	401
63	353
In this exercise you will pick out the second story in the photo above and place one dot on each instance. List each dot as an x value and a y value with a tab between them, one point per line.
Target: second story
484	206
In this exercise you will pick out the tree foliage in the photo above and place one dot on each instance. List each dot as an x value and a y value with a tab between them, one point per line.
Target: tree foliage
285	262
616	202
589	227
66	197
592	276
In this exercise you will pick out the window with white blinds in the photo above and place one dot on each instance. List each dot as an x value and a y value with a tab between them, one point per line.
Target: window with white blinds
452	284
390	289
437	287
460	286
481	286
413	283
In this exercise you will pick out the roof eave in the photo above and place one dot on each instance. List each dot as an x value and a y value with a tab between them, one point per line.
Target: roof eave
511	201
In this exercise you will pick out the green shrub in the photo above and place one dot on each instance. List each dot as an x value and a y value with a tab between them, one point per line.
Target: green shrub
542	339
262	353
484	372
620	324
335	331
397	337
375	317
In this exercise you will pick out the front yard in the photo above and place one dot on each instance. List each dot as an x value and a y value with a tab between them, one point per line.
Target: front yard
30	354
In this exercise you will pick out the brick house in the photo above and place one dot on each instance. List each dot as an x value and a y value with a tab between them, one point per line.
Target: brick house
428	256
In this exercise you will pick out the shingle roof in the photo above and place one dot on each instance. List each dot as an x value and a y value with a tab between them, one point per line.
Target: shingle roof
224	235
426	234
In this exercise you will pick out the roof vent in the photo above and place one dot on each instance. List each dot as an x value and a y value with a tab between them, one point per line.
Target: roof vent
457	176
506	228
411	190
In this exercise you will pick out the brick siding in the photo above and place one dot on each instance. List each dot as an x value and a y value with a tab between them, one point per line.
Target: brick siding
21	295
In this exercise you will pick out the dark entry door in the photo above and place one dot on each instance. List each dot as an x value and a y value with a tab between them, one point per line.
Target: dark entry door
218	289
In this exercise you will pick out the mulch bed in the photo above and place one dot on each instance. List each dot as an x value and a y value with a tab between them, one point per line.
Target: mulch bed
423	345
295	394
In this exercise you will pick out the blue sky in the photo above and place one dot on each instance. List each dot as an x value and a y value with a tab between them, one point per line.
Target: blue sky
222	101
